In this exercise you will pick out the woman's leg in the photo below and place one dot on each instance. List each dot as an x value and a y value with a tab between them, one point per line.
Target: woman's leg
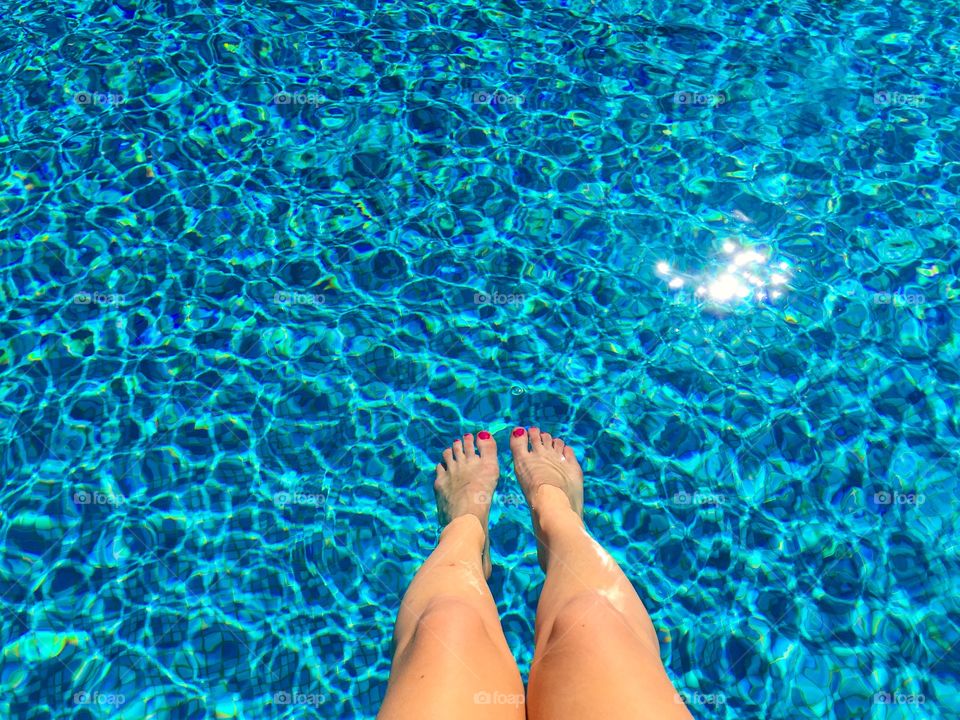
597	653
451	660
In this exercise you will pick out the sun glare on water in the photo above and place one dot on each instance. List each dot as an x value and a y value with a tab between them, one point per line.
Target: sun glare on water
744	274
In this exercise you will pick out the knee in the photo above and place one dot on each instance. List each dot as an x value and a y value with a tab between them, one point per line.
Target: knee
583	612
593	615
450	620
442	622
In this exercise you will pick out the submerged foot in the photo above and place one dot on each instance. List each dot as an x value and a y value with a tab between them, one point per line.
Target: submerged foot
544	466
465	483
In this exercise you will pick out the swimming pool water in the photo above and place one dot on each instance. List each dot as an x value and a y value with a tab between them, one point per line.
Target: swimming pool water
259	265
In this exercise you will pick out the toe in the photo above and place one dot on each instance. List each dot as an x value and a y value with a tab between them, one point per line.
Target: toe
535	442
441	477
518	442
558	445
457	449
567	454
448	457
487	445
468	448
546	439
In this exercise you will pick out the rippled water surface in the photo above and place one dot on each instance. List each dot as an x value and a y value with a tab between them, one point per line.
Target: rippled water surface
260	263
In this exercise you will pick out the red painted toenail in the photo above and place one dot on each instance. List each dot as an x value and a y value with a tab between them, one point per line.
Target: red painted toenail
483	435
518	432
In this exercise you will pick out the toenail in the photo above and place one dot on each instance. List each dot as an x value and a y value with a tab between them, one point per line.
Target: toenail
518	432
483	435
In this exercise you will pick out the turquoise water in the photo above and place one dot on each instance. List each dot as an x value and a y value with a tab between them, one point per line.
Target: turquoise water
259	265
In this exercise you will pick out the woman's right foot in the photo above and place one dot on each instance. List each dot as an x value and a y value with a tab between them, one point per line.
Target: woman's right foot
550	476
465	483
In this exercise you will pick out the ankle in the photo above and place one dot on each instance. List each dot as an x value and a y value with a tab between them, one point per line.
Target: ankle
551	506
548	497
465	528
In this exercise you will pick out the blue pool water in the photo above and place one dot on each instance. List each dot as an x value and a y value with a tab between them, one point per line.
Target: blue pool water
260	264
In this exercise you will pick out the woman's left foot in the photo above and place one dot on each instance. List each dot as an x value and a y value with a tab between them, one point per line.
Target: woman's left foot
466	484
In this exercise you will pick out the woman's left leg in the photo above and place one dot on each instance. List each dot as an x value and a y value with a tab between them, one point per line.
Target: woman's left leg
451	658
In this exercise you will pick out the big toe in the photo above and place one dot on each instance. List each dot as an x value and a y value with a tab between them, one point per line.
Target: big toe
519	442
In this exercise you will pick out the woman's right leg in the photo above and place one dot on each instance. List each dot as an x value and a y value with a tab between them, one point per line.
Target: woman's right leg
597	653
451	658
